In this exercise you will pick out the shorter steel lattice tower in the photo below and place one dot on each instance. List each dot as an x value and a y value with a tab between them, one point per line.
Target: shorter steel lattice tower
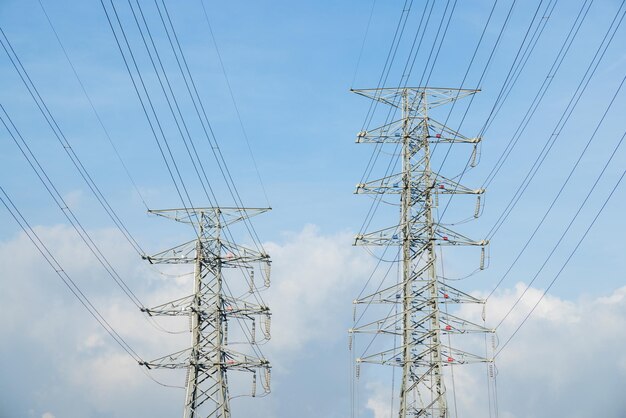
420	295
210	308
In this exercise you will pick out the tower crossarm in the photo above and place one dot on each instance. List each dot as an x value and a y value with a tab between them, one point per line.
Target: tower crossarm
178	307
446	236
389	133
234	255
209	217
390	236
395	132
180	254
177	360
450	294
229	359
440	133
391	325
389	357
393	184
452	324
393	96
452	356
243	362
240	308
391	294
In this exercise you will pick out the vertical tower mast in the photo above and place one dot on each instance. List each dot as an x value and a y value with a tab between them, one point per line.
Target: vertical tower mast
210	308
420	323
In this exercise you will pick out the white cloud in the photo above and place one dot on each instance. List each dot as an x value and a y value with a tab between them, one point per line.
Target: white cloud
568	360
314	279
47	415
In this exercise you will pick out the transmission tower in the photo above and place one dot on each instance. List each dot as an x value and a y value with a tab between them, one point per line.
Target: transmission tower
420	295
210	308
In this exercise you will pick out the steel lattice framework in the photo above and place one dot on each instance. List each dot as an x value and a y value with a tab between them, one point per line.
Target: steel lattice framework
210	309
420	294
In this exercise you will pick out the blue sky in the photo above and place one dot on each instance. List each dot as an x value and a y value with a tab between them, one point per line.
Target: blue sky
290	67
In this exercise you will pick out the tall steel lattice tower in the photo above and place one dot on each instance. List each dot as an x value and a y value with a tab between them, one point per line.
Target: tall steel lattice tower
210	308
421	296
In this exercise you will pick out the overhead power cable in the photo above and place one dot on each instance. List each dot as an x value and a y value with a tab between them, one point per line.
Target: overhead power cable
58	269
58	133
148	109
558	195
208	130
367	29
563	119
71	284
170	96
204	120
558	243
571	255
547	81
232	96
65	209
93	107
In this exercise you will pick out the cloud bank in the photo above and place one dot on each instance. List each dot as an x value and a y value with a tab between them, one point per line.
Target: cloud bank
568	360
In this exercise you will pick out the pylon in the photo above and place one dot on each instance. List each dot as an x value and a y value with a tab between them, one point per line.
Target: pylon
420	293
210	308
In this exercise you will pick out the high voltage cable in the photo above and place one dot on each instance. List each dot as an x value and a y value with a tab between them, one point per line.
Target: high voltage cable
566	229
65	209
367	29
232	96
58	269
390	56
564	49
213	147
71	284
170	165
58	133
516	71
519	62
147	97
384	75
558	195
447	26
376	203
471	101
93	108
484	70
517	66
175	110
391	113
534	105
565	263
564	118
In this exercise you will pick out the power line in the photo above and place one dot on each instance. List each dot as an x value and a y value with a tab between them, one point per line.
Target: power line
58	269
367	29
552	72
554	248
558	195
93	108
65	209
189	210
571	255
232	96
145	104
564	118
58	133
